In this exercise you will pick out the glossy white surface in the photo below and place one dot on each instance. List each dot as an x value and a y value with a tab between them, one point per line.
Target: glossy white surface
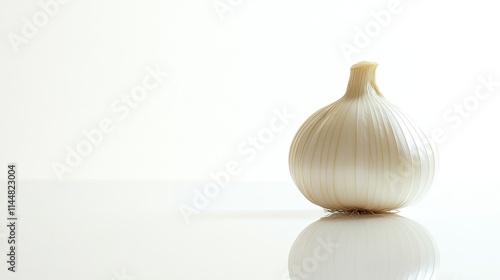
112	230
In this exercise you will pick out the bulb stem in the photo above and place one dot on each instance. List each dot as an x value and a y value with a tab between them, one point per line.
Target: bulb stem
362	80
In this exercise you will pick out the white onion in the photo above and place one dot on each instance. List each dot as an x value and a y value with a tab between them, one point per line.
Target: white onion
364	247
362	152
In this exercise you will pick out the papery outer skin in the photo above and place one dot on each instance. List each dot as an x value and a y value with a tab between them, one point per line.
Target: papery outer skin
360	247
362	152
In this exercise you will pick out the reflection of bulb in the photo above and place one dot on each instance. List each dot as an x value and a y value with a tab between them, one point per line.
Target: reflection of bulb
361	247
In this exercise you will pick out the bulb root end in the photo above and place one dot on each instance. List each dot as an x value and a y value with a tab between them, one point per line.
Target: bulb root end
355	211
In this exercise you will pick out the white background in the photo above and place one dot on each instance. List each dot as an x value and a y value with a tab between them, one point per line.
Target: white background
228	71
